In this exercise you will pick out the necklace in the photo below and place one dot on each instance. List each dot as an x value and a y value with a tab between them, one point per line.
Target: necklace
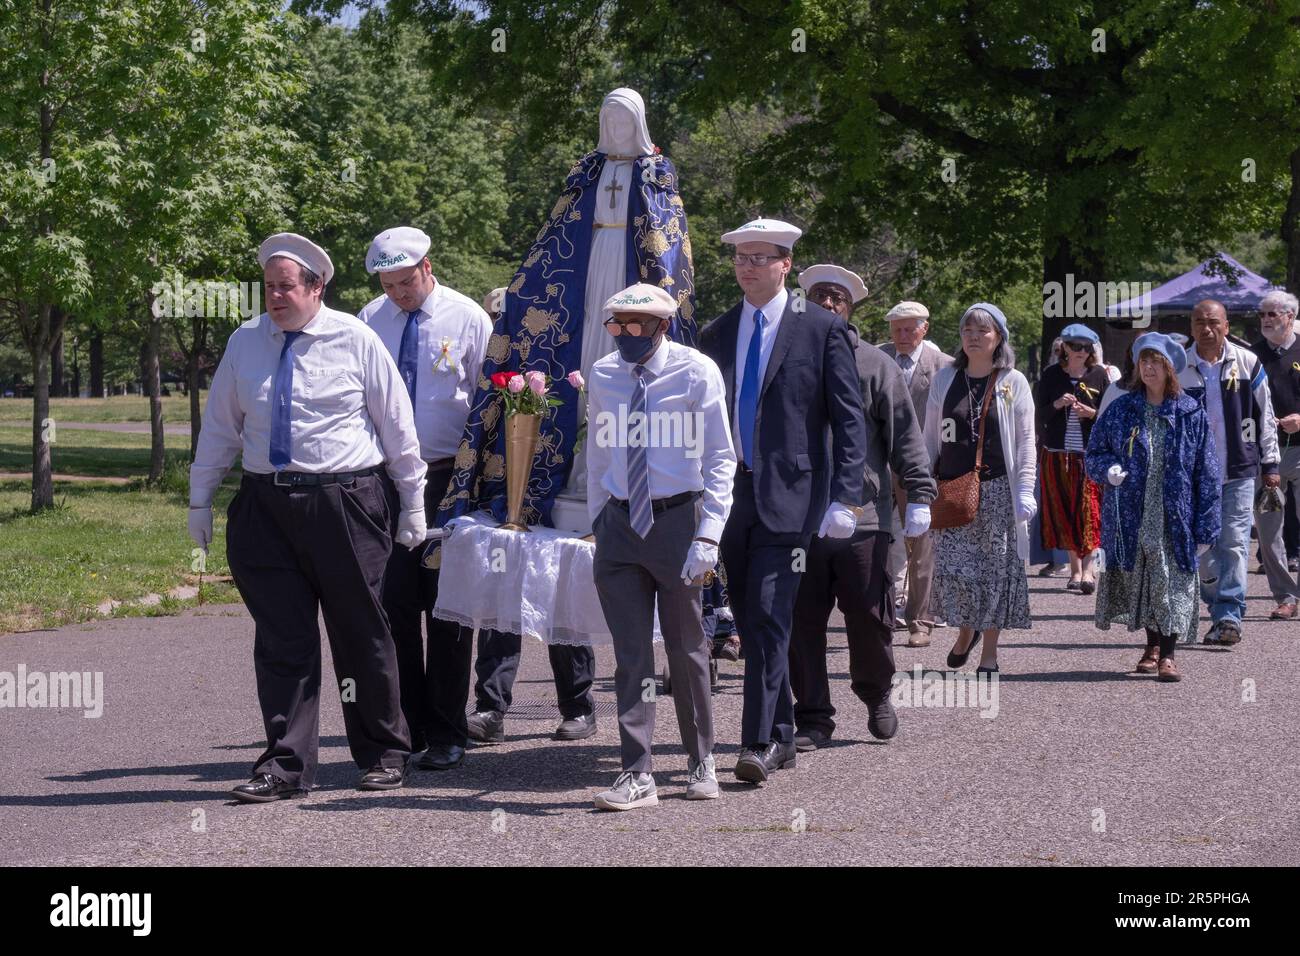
975	400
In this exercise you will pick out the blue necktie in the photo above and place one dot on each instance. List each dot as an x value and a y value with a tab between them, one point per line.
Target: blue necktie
640	511
749	389
281	437
408	354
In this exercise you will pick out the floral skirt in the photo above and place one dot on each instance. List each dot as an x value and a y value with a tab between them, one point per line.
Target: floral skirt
1156	594
1071	516
979	577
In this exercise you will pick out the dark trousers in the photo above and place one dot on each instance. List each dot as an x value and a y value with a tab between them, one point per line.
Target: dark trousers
763	572
631	572
435	685
853	571
574	669
293	554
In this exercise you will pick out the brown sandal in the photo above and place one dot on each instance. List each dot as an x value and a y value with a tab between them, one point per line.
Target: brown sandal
1168	671
1150	659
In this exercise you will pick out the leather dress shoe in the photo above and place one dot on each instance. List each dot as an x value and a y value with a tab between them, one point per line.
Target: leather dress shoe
882	721
576	728
383	778
441	757
728	650
810	740
265	787
756	764
487	726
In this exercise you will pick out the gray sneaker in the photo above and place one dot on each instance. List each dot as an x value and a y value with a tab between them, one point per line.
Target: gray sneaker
702	779
630	790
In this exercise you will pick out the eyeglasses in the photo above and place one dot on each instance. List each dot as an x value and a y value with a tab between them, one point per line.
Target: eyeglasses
829	295
1273	314
741	259
1078	346
616	328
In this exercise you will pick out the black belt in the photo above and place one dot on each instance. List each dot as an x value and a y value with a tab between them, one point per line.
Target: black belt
299	479
440	463
663	504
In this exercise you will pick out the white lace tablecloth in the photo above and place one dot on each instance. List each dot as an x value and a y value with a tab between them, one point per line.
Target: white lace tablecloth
537	583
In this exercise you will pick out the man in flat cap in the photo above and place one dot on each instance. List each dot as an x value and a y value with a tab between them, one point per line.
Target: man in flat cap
854	571
913	558
438	338
660	467
796	409
316	406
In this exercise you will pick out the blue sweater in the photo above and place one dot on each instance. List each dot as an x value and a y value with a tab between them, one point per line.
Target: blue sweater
1191	484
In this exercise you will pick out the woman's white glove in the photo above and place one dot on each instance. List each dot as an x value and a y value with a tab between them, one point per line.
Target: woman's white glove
1026	508
201	526
840	522
1116	475
411	530
700	559
917	520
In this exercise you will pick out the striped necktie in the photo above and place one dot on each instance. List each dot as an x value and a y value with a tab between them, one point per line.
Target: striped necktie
640	511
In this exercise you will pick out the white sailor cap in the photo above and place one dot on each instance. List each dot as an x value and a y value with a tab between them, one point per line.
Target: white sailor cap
301	250
908	309
850	282
764	230
643	298
398	248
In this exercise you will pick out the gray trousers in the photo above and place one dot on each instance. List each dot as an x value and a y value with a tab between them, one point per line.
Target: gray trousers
920	565
1268	524
630	573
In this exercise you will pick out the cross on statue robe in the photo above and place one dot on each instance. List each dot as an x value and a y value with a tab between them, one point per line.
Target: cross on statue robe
613	189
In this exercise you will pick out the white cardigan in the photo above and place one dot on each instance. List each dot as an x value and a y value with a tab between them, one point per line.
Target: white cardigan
1015	410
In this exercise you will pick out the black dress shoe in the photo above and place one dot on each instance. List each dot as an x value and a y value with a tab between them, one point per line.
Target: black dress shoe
756	764
882	721
576	728
487	726
383	778
810	740
956	660
265	787
441	757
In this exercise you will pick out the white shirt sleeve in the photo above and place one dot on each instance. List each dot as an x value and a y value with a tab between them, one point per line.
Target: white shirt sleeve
476	350
220	434
718	466
394	421
599	457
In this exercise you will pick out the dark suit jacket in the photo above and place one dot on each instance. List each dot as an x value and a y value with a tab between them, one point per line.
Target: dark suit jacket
810	437
931	360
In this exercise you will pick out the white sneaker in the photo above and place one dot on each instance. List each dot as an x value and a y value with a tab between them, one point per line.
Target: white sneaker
702	779
630	790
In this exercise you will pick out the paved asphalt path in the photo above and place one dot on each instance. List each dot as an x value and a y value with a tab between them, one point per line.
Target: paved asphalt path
1083	764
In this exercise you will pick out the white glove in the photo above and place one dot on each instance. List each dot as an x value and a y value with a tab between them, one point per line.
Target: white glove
1116	475
699	561
1200	550
411	530
916	521
201	526
1026	508
840	522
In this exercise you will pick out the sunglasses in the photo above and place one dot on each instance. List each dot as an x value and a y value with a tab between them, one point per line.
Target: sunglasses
1078	346
616	328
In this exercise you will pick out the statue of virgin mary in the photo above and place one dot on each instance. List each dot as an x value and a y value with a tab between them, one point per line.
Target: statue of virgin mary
619	221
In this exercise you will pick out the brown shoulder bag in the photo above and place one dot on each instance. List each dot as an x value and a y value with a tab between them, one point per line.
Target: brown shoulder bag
959	498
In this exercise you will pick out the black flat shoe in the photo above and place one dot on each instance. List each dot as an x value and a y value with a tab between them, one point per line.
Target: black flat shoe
956	660
264	788
988	671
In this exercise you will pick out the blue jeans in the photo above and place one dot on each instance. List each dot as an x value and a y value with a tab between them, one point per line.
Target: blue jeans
1223	567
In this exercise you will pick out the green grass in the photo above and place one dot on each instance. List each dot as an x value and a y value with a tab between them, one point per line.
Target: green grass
101	542
85	452
118	408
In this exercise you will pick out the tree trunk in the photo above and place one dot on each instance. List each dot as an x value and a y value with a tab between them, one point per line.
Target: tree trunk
97	365
153	385
1291	227
42	425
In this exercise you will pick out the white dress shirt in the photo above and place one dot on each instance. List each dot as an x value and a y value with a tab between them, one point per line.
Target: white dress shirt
349	408
772	313
444	384
687	385
1212	373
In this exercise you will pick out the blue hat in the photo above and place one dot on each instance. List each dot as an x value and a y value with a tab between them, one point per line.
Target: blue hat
992	310
1159	342
1080	332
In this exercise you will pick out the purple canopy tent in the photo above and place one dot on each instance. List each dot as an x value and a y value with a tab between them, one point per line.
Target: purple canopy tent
1178	296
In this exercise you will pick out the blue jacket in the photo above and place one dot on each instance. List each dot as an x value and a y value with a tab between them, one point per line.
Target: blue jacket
1191	486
